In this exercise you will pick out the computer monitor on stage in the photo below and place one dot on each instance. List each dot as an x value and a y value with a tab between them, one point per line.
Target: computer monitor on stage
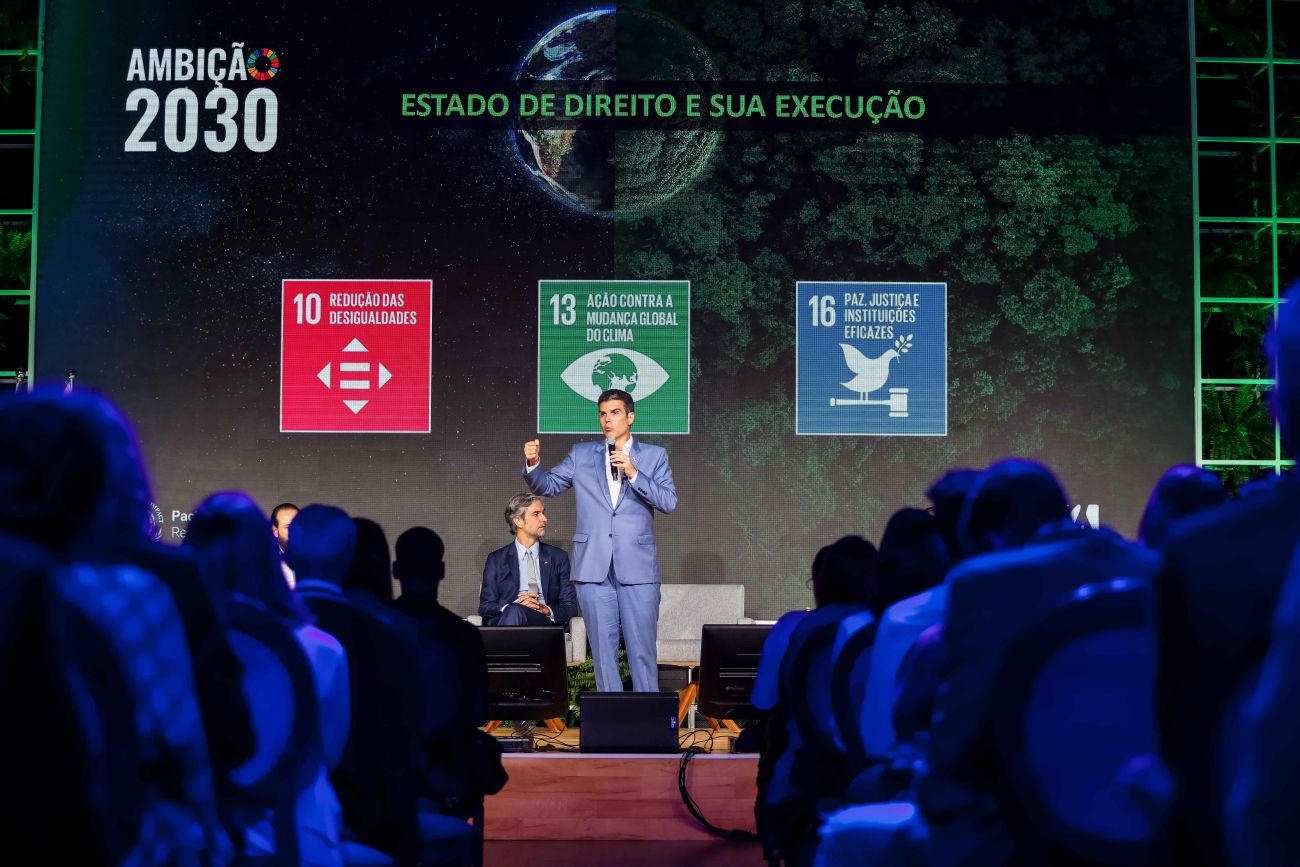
729	657
526	676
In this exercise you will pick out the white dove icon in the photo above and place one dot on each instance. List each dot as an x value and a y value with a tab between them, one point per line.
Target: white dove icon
871	374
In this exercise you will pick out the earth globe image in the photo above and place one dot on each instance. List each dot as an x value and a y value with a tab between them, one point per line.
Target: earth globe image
593	168
614	371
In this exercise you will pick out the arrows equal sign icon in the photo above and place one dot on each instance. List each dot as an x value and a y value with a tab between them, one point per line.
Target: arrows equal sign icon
355	383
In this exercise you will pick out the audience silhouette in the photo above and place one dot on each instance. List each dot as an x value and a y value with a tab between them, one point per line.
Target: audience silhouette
240	563
1217	683
1026	556
71	484
166	690
462	766
377	779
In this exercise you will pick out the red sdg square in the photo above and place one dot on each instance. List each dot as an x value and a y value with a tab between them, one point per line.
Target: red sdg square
355	356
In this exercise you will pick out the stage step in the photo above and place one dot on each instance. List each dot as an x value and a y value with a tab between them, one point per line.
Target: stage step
576	796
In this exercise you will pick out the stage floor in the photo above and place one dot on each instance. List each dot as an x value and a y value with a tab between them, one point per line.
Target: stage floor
571	796
710	741
674	853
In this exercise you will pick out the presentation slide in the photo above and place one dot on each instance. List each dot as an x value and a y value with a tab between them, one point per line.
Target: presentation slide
356	256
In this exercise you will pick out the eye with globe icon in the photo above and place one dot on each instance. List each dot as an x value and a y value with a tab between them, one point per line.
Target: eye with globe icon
597	170
634	372
614	371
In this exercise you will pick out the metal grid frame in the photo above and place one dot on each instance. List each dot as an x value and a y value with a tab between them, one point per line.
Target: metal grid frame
1218	67
28	296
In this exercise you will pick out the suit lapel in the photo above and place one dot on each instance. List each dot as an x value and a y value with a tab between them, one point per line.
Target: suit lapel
512	571
544	568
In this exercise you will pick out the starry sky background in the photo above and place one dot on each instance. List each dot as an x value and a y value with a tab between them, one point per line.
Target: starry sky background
159	274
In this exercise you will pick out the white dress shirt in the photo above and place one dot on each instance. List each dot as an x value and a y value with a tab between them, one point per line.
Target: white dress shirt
521	552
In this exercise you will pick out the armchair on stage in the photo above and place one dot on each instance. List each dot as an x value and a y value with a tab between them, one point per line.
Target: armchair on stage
684	609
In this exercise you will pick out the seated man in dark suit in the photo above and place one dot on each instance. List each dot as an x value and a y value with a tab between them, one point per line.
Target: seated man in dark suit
377	779
462	764
526	583
1216	600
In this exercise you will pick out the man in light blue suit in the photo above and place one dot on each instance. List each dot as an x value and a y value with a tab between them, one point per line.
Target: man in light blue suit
619	485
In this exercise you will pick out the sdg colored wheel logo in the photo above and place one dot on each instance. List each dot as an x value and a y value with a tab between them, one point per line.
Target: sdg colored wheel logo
263	64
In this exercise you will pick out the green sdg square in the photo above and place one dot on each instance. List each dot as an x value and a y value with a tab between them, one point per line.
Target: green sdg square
598	334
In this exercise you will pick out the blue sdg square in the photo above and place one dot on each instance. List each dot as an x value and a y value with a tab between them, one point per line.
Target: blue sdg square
872	359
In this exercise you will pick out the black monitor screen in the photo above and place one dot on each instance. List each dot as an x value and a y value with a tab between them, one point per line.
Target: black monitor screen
728	665
526	678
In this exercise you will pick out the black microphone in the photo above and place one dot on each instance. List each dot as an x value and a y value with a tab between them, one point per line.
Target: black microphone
614	472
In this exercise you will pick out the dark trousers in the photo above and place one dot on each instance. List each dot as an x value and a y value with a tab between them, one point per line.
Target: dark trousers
518	615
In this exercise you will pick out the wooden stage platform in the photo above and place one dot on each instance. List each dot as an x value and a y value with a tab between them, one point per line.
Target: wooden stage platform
583	796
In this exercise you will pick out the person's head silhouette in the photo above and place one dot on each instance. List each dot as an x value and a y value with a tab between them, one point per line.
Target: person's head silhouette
321	546
913	558
1181	491
237	557
418	560
1008	504
370	569
948	494
71	478
842	572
